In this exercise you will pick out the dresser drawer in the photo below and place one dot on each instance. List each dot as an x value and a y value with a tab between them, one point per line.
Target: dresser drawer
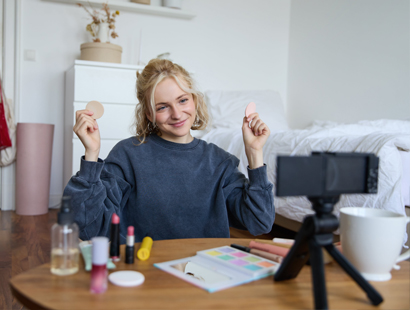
117	121
78	151
107	85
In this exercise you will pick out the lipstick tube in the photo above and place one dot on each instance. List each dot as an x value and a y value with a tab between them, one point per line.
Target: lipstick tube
115	238
129	248
269	248
99	272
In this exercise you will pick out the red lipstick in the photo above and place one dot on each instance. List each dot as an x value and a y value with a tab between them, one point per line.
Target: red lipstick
115	238
129	249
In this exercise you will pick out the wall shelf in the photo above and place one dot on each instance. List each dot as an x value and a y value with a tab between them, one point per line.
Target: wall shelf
133	7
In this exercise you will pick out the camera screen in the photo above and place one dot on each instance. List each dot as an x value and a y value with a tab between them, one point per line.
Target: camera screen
346	174
326	174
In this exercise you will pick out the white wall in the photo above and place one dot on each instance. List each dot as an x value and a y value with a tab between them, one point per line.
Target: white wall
348	61
333	60
230	44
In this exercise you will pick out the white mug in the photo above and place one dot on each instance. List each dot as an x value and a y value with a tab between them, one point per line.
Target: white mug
372	240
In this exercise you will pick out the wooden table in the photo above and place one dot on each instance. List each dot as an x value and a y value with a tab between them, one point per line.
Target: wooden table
38	288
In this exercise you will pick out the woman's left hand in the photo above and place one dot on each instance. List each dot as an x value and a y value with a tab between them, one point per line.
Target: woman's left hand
254	138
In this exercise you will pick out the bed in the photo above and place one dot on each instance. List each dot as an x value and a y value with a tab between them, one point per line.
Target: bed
388	139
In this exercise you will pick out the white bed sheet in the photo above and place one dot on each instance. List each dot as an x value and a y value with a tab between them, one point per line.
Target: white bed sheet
388	139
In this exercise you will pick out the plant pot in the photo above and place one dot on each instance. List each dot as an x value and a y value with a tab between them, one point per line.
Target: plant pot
105	52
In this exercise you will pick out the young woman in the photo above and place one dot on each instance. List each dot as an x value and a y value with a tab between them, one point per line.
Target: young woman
163	181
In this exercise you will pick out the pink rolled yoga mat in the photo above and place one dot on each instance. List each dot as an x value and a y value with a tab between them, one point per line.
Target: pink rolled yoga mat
34	144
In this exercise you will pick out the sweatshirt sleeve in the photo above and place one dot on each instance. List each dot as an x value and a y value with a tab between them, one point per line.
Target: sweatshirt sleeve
95	195
250	201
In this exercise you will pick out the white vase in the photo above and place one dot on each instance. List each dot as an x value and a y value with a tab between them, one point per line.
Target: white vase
103	33
175	4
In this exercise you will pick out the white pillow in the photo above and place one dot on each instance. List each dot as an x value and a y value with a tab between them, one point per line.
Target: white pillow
227	108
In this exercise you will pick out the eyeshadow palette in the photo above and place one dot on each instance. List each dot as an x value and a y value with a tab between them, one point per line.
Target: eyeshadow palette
219	268
239	260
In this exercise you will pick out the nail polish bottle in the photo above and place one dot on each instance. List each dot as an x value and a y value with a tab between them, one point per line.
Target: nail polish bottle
99	272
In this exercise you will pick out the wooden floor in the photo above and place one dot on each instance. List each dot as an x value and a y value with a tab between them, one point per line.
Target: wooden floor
25	244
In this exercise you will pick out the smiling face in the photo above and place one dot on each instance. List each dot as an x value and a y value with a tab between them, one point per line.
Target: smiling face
174	111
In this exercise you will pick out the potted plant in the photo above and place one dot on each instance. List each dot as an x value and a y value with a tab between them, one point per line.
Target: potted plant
101	28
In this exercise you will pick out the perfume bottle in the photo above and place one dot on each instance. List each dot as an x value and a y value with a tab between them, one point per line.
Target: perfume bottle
64	241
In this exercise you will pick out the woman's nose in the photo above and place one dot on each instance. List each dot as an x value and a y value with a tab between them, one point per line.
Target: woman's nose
176	112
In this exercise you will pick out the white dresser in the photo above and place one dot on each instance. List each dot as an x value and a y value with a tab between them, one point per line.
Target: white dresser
111	84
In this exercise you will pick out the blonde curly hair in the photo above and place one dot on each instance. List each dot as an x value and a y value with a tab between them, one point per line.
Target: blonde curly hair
156	71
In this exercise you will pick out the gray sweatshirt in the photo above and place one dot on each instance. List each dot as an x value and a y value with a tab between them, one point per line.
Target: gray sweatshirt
169	190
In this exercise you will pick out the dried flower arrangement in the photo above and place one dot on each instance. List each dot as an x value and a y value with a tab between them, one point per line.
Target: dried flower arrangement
98	17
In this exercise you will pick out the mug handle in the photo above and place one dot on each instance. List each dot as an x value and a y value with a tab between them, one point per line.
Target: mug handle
406	254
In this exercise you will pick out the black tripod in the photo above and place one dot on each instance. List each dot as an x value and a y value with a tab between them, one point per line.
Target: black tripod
315	233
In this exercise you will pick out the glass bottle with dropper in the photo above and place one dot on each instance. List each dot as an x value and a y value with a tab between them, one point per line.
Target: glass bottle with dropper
64	241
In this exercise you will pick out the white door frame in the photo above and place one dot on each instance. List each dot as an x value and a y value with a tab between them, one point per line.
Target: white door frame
11	21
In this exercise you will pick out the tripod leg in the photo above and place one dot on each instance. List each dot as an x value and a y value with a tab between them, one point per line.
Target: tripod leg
372	294
298	253
318	274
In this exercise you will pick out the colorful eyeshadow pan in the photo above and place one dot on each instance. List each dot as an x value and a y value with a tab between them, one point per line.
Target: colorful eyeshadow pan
252	267
251	259
239	262
227	250
265	264
239	254
213	253
226	257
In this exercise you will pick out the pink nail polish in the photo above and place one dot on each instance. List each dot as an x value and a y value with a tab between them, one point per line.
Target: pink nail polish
99	272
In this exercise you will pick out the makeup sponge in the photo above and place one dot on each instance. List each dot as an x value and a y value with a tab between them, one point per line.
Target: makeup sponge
251	108
126	278
96	107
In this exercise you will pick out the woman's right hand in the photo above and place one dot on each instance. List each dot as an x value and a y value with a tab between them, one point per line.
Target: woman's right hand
86	128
